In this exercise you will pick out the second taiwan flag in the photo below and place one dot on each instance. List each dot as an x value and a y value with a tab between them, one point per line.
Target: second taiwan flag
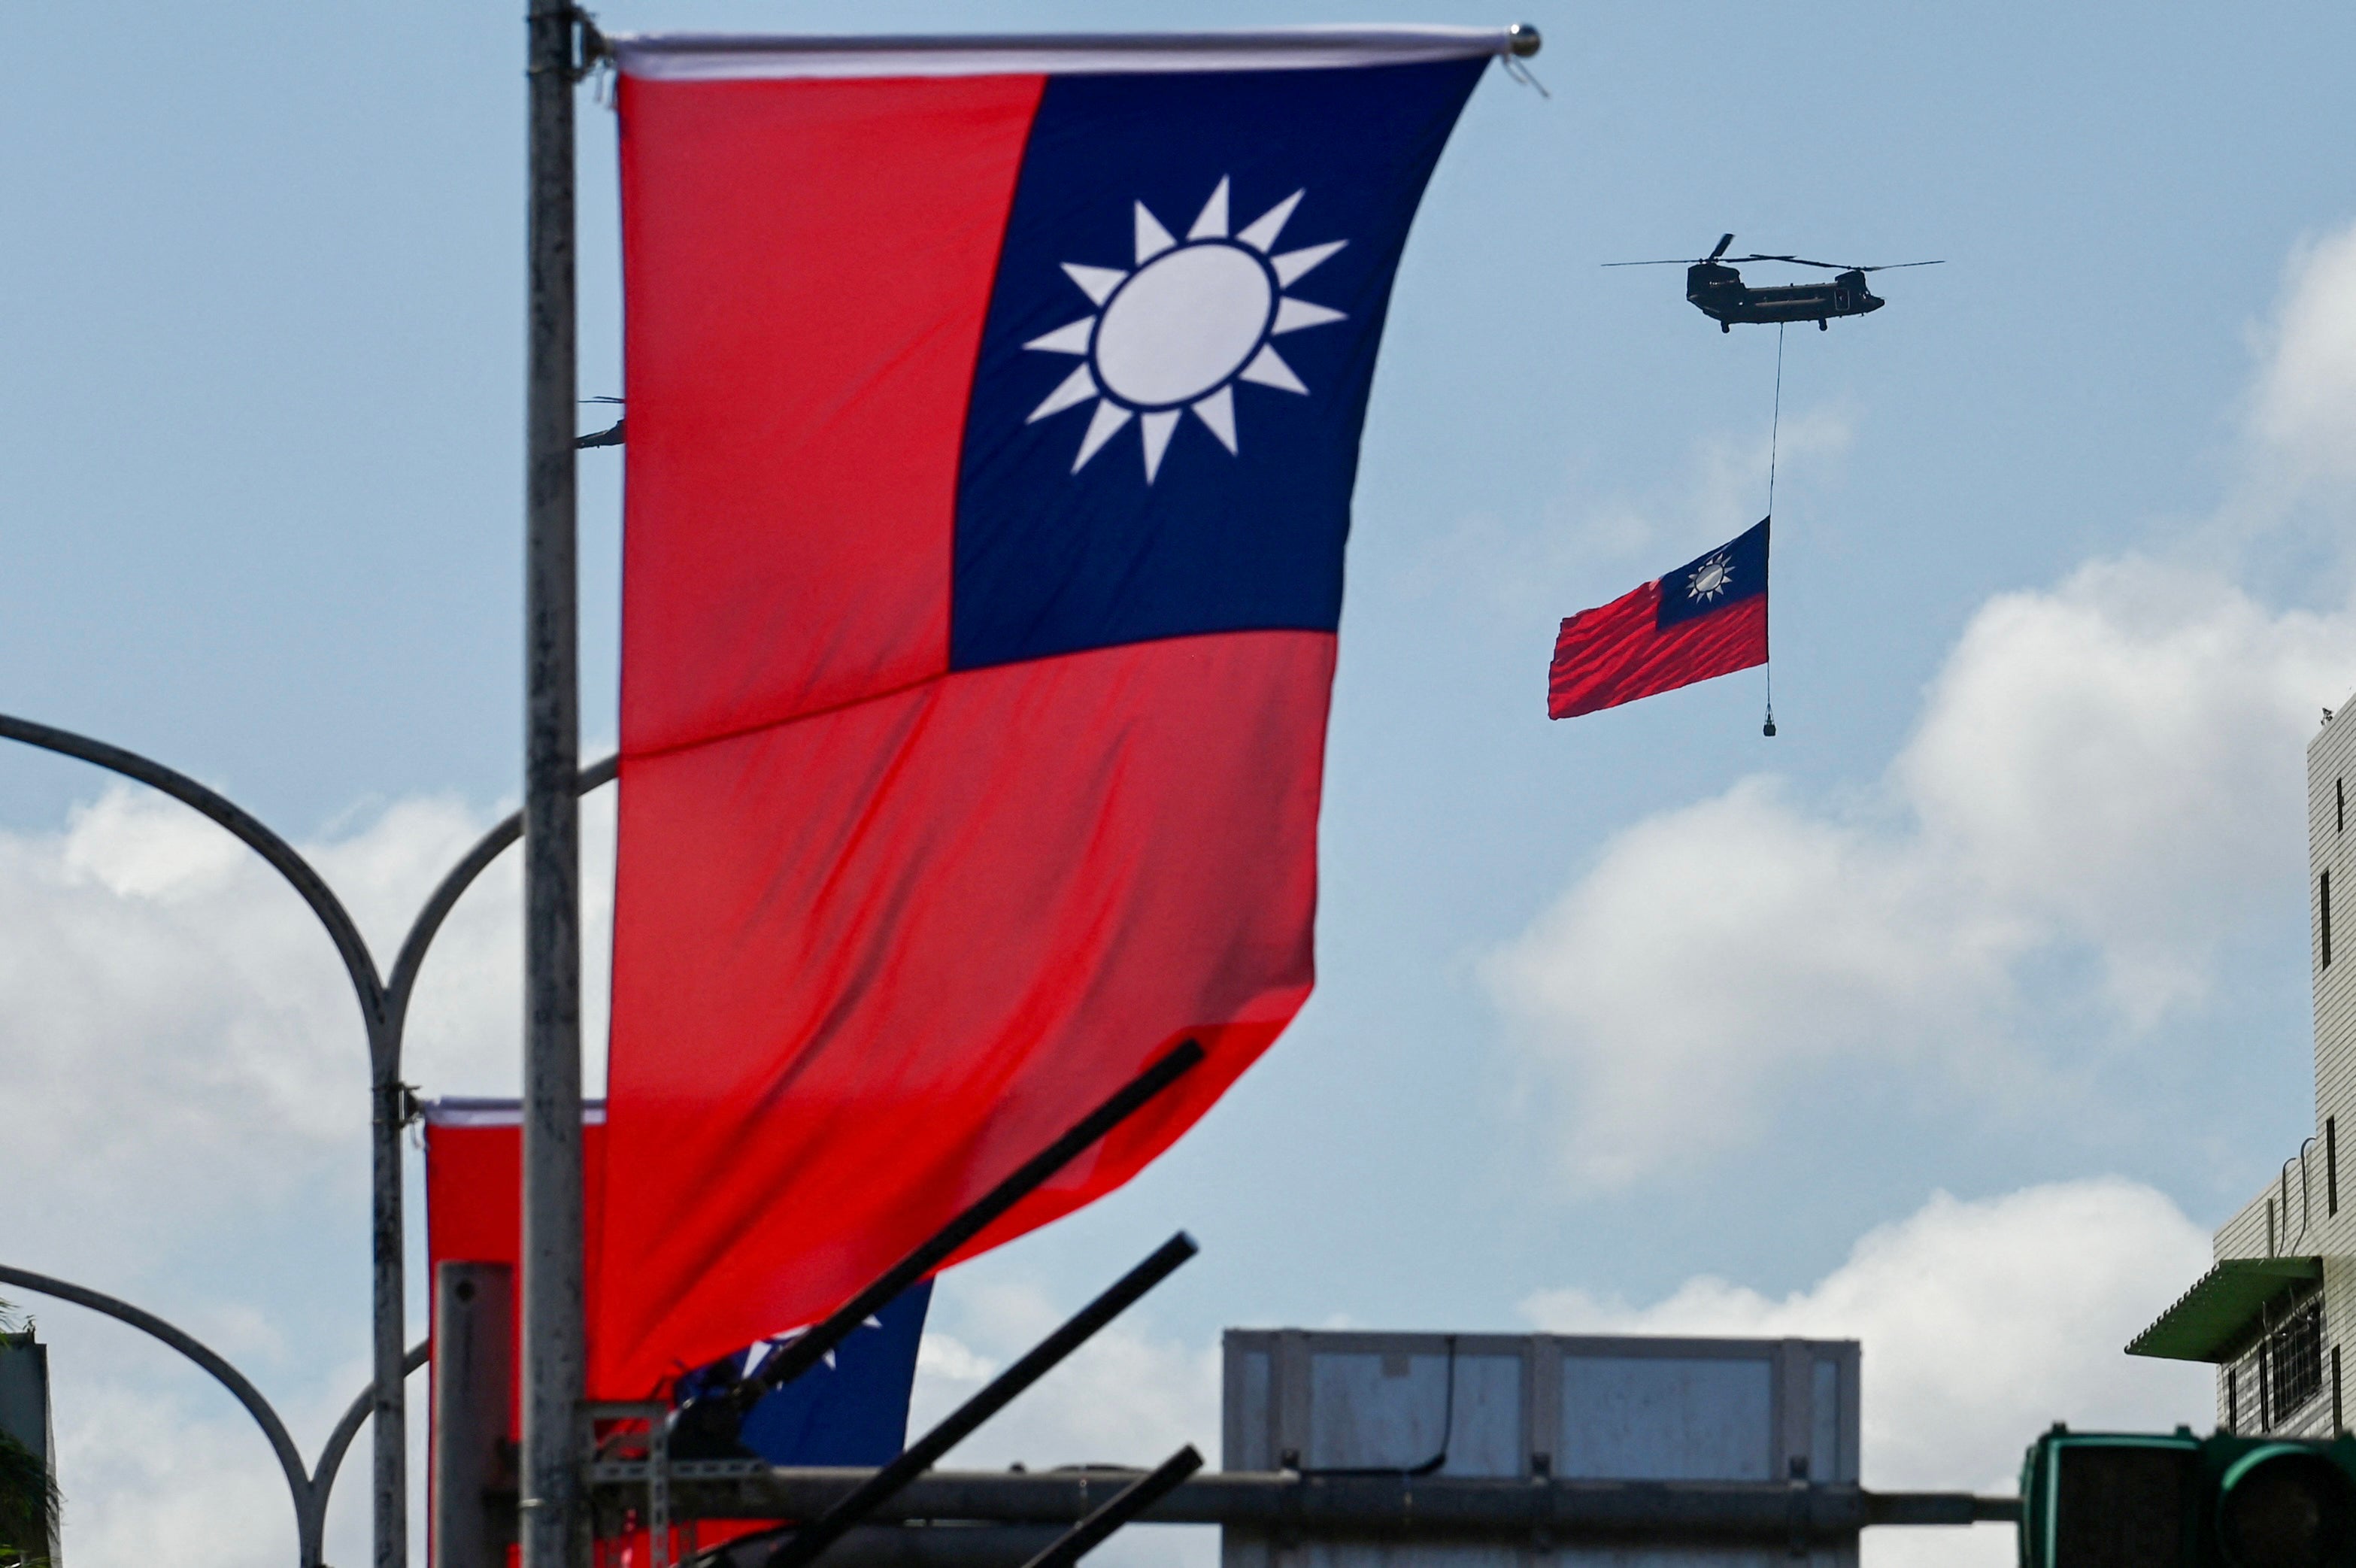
993	416
1707	618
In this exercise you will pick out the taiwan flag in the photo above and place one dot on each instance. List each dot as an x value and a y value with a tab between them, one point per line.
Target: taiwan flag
1707	618
851	1410
993	416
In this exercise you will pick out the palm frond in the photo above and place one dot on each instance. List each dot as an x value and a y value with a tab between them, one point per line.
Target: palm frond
29	1505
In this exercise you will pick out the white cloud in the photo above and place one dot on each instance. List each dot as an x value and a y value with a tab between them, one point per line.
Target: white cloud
2110	768
182	1025
2304	410
192	1488
2122	757
1982	1323
1709	951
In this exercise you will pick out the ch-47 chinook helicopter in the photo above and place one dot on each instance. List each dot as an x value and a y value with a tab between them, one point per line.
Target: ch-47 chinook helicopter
1717	291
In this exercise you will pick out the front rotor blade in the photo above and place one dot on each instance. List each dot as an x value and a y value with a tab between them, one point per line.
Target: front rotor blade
1723	242
1888	266
1673	262
1795	261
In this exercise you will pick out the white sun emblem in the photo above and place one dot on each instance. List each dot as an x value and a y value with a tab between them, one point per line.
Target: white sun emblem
1715	577
1178	330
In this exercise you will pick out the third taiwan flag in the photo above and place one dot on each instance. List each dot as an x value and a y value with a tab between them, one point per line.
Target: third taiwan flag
993	416
1707	618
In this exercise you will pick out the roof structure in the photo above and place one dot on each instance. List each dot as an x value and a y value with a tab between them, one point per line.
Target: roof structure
2213	1319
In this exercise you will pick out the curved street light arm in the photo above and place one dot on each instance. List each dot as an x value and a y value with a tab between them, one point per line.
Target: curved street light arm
249	830
331	1455
290	1460
385	1097
384	1008
477	860
391	1113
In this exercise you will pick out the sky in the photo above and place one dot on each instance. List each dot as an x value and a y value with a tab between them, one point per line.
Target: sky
1953	1017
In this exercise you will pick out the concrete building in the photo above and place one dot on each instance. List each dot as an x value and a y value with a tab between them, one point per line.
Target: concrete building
25	1409
2274	1311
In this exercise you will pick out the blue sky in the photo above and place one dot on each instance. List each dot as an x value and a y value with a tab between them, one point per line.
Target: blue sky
2010	909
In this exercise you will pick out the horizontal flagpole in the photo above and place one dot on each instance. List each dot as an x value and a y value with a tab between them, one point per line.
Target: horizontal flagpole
703	57
1576	1508
807	1544
1123	1506
797	1356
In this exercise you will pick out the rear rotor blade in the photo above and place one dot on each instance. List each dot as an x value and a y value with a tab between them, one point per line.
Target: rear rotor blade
1723	242
1836	267
1672	262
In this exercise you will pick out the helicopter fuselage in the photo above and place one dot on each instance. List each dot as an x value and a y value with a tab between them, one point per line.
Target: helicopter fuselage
1719	292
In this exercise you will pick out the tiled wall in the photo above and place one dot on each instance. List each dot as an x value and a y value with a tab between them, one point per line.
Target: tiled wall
2296	1208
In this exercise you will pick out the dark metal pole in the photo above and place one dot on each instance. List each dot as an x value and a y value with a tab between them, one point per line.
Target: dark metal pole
1097	1529
805	1544
782	1365
1572	1509
331	1454
389	1392
553	1523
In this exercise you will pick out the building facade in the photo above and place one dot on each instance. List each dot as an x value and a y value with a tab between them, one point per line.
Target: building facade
25	1418
2274	1311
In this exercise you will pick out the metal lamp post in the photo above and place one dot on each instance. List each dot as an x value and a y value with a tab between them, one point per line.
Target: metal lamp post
554	1326
554	1333
384	1014
309	1487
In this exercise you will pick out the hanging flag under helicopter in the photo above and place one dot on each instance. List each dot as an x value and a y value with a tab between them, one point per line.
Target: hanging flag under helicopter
1717	291
1707	618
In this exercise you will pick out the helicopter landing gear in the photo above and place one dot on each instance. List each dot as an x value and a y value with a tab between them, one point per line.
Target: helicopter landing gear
1726	327
1822	325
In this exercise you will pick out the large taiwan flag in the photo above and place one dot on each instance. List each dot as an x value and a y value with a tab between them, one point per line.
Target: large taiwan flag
993	416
